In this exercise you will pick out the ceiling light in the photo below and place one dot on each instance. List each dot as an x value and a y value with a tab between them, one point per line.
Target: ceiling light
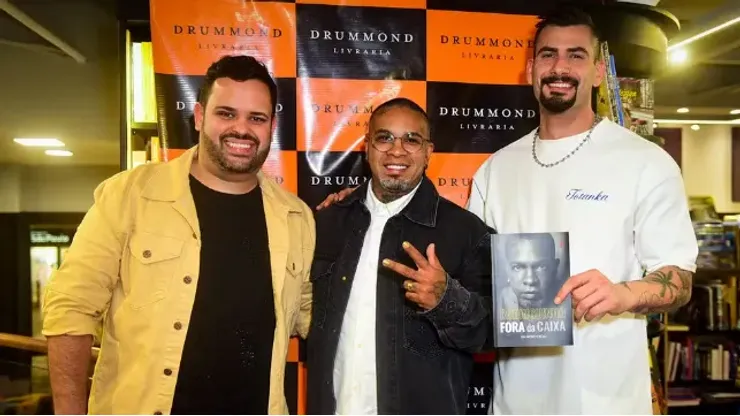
682	110
695	127
61	153
676	121
39	142
705	33
679	56
735	112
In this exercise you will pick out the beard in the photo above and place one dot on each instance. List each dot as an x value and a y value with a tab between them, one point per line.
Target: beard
397	186
556	102
216	151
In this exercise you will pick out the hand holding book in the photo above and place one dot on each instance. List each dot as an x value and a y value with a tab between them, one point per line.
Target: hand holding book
426	284
593	295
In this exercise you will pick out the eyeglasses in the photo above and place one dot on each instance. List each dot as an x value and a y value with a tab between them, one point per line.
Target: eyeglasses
384	141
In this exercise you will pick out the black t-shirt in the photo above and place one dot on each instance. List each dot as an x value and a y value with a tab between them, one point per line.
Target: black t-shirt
225	366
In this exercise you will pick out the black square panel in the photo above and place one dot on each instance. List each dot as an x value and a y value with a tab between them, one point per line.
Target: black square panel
474	118
177	95
360	42
321	173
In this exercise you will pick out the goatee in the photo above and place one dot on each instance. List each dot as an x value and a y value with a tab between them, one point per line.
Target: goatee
557	103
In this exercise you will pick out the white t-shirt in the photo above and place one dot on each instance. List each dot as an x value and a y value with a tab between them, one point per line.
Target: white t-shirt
622	200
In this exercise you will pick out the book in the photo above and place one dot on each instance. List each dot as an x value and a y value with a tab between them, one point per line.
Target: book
528	271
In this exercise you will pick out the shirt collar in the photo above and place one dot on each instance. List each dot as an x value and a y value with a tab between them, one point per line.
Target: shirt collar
377	207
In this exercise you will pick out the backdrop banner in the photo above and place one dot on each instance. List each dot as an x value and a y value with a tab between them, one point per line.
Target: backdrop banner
335	60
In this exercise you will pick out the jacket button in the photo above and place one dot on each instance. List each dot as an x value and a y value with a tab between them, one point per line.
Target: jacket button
167	372
187	280
146	254
178	326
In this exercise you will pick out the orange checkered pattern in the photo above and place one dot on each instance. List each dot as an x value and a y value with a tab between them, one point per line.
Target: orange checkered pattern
335	60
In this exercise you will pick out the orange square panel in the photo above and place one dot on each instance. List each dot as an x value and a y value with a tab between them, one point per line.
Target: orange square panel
188	39
333	114
452	174
282	166
479	48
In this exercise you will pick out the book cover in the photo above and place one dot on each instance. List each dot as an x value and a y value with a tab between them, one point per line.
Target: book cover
528	271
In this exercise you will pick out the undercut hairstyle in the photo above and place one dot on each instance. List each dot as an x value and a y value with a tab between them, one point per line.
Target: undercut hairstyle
565	16
238	68
399	102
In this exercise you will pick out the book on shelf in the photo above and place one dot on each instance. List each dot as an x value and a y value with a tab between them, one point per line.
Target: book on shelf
712	307
528	271
695	360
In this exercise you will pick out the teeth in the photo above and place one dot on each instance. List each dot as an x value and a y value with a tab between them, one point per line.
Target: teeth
396	167
560	85
239	145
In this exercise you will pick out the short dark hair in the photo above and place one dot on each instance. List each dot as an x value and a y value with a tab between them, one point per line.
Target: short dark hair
238	68
563	16
399	102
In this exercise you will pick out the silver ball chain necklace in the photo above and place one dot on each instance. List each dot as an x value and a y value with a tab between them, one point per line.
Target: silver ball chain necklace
597	119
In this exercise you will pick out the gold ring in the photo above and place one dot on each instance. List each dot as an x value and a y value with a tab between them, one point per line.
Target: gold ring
409	285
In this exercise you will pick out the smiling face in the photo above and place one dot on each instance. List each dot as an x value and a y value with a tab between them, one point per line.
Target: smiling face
405	135
564	68
235	126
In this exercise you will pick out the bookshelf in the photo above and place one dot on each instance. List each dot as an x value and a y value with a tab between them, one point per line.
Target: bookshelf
700	342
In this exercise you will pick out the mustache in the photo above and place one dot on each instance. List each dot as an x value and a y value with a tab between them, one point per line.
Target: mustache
559	78
237	136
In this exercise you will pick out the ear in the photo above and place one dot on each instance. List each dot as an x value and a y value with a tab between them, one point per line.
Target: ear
429	149
600	72
530	68
366	145
198	112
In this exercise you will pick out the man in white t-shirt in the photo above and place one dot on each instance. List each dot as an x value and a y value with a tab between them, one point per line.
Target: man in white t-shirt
632	245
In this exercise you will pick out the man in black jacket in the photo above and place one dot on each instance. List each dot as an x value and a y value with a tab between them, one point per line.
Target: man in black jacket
401	284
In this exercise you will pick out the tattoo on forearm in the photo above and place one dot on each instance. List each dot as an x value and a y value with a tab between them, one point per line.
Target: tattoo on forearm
669	289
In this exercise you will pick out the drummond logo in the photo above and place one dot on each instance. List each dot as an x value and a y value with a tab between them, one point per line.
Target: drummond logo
216	33
228	31
361	43
453	182
486	118
338	180
479	397
342	109
345	114
486	48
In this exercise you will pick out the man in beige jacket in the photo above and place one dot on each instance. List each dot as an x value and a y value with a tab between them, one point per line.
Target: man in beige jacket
196	270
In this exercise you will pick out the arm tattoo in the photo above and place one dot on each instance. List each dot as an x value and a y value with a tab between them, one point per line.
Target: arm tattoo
663	290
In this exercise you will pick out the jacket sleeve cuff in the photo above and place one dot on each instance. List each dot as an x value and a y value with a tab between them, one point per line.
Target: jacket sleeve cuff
67	318
451	307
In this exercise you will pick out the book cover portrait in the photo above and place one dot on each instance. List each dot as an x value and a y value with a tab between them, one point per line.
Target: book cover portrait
528	271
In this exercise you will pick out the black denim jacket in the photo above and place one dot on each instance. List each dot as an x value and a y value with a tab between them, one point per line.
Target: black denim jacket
424	359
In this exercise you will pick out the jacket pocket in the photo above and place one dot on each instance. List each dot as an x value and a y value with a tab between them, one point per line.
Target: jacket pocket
419	336
150	267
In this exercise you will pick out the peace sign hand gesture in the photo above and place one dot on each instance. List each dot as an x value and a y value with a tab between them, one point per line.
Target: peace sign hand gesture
428	283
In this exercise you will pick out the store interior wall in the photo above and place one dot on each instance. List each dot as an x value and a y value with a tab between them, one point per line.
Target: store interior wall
50	188
706	162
